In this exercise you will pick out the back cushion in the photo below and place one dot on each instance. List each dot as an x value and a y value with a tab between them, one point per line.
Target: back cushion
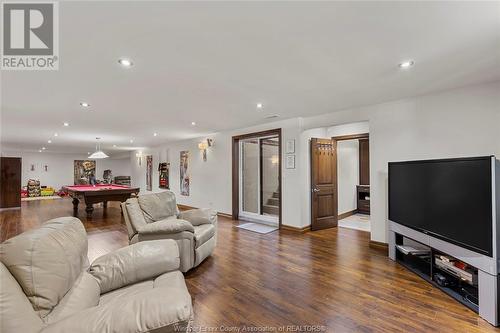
47	261
16	312
135	215
158	206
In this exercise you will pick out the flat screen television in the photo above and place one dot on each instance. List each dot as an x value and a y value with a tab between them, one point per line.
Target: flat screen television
450	199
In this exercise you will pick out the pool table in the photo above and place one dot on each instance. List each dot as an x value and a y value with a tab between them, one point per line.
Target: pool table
92	194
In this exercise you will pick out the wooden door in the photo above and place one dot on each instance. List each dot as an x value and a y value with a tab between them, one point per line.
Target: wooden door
10	182
323	184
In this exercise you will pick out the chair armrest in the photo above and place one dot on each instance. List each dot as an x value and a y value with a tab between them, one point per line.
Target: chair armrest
154	310
169	226
135	263
199	216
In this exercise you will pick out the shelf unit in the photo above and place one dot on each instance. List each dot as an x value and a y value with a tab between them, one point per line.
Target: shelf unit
425	267
363	198
488	282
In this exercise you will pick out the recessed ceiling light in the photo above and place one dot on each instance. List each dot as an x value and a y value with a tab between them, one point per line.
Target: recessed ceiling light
88	153
43	148
84	104
131	140
114	146
66	124
155	134
55	134
260	106
125	62
49	141
40	151
406	64
193	123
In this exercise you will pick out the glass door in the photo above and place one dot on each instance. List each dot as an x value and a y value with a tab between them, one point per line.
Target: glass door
259	180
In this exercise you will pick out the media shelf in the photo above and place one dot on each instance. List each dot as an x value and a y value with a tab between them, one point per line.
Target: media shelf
424	265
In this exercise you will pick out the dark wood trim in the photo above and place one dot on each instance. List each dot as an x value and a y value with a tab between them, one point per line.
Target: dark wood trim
229	216
364	161
382	247
261	179
351	137
296	229
186	207
236	169
276	131
347	214
235	180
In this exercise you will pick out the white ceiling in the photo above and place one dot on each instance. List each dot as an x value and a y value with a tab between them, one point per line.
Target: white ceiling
211	62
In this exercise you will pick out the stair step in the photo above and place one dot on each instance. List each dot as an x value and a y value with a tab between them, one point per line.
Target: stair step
274	210
273	201
276	194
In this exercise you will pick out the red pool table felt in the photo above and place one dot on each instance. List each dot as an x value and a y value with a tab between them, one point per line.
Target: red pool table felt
98	187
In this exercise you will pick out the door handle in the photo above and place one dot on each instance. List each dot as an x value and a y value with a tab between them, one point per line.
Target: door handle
315	190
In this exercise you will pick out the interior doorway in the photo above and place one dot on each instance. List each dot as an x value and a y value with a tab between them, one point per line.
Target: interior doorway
340	182
257	177
353	158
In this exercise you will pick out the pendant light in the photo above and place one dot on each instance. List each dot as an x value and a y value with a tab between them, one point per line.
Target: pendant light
98	152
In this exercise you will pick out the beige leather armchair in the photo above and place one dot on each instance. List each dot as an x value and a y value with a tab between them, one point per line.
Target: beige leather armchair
156	216
48	286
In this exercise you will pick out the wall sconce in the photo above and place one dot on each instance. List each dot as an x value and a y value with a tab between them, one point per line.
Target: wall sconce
203	146
139	157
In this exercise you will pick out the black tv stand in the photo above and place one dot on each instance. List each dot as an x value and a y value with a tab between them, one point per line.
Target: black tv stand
480	295
425	267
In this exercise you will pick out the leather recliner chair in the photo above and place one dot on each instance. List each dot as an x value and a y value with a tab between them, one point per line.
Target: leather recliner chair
156	216
48	286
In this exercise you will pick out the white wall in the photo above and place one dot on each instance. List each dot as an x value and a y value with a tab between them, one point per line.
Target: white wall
347	174
60	167
454	123
459	122
210	181
359	127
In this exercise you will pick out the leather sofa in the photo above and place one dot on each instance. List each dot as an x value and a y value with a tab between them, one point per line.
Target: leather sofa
156	216
48	286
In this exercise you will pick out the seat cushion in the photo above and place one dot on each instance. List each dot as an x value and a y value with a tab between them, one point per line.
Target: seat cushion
47	261
203	233
173	279
162	309
132	289
158	206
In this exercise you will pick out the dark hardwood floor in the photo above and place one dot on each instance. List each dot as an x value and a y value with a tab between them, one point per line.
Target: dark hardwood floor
329	277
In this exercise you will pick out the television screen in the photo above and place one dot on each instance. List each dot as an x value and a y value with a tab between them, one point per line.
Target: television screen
449	199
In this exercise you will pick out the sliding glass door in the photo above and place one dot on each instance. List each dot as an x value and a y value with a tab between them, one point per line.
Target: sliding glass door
259	179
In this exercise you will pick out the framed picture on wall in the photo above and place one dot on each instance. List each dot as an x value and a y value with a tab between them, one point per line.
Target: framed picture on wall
290	146
184	172
149	173
84	171
290	162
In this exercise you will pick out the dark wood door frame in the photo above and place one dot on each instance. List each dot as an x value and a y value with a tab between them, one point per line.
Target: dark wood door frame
362	136
236	169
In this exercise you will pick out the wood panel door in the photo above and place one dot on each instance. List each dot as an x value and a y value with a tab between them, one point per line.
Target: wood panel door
10	182
323	184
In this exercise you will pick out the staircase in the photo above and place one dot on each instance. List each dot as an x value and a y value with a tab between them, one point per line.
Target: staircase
272	206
